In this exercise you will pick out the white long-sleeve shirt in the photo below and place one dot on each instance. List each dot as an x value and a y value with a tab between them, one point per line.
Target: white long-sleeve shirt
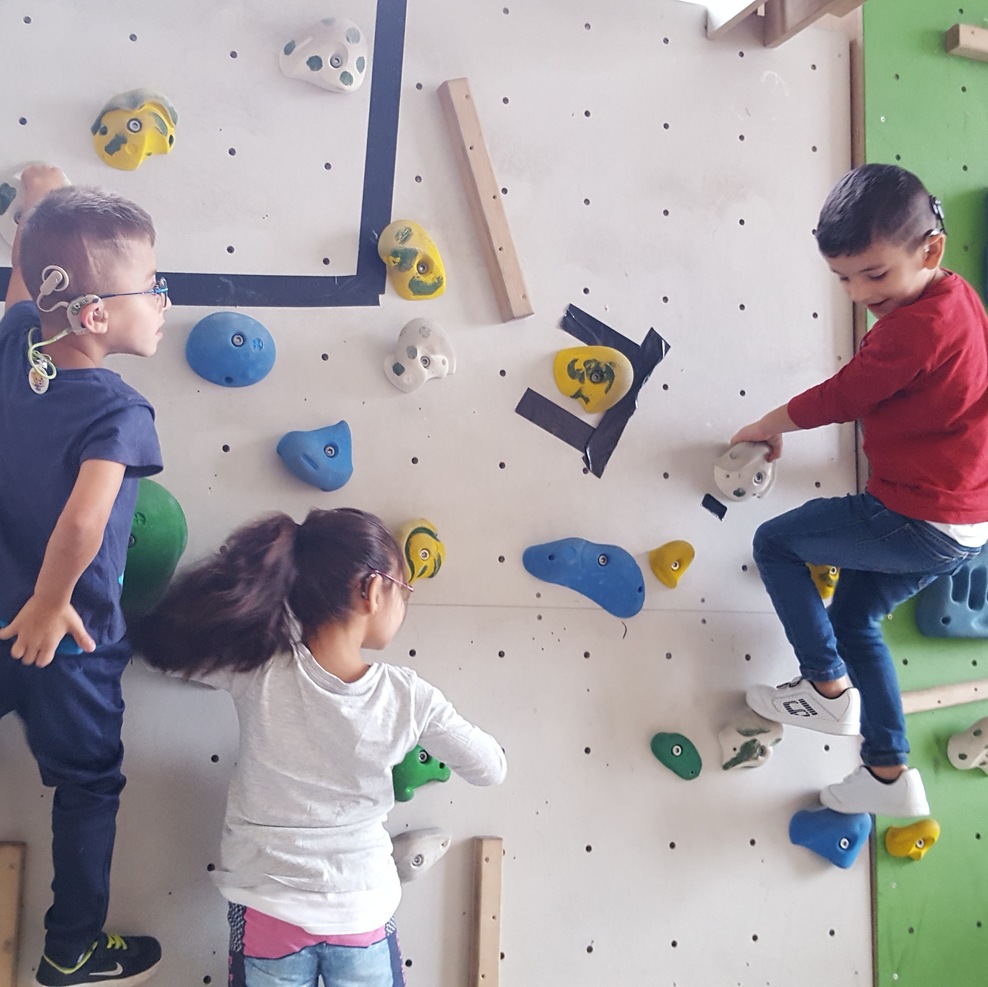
304	837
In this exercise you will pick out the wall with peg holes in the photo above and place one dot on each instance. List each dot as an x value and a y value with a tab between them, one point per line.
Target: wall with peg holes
655	180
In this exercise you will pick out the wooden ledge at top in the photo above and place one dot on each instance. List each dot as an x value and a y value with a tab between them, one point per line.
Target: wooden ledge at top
967	41
484	196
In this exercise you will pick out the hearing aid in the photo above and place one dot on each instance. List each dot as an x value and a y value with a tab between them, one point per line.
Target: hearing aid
55	278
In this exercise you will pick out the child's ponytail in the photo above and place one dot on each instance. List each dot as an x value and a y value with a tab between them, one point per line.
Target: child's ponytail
240	606
230	611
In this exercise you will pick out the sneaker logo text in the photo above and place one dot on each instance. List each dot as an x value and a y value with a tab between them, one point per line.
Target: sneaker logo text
799	707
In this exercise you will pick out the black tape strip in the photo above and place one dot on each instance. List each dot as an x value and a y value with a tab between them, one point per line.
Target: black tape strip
596	444
365	287
713	505
555	420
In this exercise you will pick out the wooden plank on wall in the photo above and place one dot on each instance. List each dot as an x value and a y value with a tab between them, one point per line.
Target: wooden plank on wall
722	15
11	891
786	18
485	960
942	696
967	41
484	195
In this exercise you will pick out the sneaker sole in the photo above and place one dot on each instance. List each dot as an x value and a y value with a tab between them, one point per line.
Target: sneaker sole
915	811
805	722
131	981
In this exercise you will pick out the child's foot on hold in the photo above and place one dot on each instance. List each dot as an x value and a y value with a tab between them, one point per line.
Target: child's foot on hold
799	704
120	960
861	791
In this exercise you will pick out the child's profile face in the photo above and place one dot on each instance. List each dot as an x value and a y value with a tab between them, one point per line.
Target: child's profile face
887	276
134	320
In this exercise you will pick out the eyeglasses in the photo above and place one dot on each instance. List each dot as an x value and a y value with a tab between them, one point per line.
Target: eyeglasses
406	589
160	288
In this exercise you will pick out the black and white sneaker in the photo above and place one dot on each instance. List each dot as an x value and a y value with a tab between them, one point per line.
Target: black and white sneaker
112	959
798	704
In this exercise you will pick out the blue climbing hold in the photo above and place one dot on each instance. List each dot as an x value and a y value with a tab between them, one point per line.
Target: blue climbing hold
322	457
606	574
230	349
956	605
835	836
66	646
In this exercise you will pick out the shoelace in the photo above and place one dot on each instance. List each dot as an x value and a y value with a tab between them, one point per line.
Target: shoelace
790	685
113	941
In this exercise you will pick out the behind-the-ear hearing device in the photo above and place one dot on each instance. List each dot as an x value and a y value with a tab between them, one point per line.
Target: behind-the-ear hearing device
55	278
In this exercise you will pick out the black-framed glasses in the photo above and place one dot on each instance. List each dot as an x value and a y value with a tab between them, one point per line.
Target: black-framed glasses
160	288
406	588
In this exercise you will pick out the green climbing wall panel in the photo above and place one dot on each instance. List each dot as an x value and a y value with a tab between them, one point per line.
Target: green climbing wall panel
928	111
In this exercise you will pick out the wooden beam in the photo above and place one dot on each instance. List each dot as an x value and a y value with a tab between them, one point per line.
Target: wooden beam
943	696
722	15
967	41
484	196
11	893
485	953
786	18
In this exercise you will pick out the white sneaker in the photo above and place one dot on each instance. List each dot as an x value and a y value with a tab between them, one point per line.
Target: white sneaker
798	704
861	791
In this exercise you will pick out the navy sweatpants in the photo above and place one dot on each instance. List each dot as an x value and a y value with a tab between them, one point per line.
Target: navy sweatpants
72	712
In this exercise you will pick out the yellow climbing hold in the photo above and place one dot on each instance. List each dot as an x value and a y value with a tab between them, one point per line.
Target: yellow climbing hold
595	376
912	840
670	561
421	548
825	577
415	268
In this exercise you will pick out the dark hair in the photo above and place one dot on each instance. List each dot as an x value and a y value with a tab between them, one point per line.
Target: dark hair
236	608
82	230
875	202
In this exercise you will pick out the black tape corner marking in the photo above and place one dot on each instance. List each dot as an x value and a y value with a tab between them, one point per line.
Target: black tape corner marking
713	505
365	287
596	443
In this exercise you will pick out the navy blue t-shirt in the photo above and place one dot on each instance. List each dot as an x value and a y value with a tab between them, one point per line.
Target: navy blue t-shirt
44	438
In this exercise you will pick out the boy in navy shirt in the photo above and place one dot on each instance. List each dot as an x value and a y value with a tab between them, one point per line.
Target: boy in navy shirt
74	440
919	385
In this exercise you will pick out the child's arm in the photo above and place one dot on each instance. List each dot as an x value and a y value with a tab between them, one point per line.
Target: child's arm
48	615
37	181
768	429
474	755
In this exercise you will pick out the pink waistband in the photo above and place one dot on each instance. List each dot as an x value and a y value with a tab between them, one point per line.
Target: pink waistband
269	938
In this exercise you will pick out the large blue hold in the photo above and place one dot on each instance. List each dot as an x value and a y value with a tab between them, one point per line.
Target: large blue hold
957	605
606	574
322	457
835	836
230	349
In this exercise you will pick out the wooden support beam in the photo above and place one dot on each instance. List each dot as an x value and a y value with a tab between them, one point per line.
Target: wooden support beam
786	18
11	893
485	953
484	196
722	15
967	41
943	696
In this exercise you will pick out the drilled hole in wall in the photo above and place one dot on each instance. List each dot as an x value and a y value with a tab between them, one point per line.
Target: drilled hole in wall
233	54
418	85
226	448
415	460
133	37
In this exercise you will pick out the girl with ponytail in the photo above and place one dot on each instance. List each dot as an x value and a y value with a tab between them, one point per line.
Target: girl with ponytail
278	618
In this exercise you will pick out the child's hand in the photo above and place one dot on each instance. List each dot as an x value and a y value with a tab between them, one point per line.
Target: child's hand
756	433
38	180
39	629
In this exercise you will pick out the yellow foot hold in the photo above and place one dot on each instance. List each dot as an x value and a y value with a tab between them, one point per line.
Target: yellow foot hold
670	561
132	126
824	578
597	377
421	548
415	268
913	840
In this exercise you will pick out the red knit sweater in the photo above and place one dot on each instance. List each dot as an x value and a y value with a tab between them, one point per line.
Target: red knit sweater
919	384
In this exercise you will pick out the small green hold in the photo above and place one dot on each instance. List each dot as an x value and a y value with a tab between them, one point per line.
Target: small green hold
352	35
419	286
114	144
314	62
404	258
416	768
346	79
361	63
751	750
678	754
289	48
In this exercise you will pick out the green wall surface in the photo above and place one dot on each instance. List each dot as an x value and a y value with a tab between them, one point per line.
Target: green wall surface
928	111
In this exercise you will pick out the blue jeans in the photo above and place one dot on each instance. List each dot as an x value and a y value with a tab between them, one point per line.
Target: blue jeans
376	965
72	712
884	558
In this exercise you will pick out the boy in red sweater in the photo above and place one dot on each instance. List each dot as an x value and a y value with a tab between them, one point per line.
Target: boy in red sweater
919	385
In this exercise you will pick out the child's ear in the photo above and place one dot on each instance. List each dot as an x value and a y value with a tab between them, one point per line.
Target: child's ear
93	318
934	248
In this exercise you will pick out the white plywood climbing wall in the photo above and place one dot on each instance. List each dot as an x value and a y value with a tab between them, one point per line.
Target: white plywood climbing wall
653	178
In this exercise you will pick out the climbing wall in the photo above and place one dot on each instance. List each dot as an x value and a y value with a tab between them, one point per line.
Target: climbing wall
926	110
655	180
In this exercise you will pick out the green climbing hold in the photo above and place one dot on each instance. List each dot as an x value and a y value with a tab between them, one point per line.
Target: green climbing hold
416	768
678	754
157	540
